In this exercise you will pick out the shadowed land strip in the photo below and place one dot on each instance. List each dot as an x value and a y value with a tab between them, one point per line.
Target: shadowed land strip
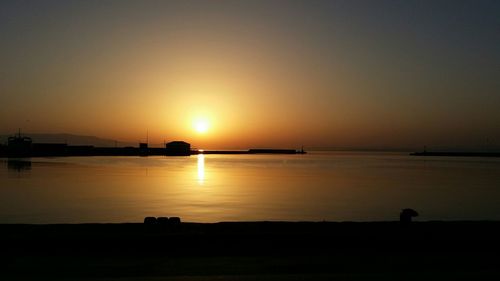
251	251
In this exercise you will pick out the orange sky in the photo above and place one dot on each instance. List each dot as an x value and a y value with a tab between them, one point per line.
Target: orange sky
271	73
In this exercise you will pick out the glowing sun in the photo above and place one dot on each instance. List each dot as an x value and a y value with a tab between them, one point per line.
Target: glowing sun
201	126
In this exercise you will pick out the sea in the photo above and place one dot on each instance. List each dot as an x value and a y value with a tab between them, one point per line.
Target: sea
317	186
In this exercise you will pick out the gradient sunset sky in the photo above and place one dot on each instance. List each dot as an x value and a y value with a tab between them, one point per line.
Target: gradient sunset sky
391	74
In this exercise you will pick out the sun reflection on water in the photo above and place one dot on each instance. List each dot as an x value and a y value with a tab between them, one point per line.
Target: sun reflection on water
201	169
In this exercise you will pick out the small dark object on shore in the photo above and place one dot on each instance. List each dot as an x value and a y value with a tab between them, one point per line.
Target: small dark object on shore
150	220
163	220
406	215
174	220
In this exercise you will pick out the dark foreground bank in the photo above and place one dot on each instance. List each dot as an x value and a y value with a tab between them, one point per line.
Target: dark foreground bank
252	251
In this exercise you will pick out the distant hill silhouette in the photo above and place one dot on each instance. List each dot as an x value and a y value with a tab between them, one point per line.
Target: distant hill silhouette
71	140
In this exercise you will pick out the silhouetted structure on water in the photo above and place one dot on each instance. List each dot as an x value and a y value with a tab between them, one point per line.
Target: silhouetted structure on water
18	145
273	151
178	148
22	146
143	149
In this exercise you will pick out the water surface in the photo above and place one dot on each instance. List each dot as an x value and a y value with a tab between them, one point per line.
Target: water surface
335	186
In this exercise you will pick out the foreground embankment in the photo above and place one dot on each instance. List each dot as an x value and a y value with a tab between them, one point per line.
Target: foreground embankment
252	251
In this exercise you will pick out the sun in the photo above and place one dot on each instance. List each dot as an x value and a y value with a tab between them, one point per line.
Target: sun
201	126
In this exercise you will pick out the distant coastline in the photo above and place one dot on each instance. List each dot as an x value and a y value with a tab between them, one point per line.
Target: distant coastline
456	154
19	146
62	150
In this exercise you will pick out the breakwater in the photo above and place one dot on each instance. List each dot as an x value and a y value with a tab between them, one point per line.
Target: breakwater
457	154
63	150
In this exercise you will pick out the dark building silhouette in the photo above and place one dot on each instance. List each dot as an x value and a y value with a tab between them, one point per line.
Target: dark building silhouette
178	148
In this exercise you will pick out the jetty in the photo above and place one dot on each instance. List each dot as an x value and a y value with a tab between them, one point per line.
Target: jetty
456	154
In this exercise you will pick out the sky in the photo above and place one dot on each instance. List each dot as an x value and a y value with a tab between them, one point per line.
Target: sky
239	74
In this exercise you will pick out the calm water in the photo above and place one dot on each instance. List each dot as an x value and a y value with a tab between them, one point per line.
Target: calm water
209	188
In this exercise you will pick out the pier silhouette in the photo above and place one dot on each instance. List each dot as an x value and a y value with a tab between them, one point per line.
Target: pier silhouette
23	146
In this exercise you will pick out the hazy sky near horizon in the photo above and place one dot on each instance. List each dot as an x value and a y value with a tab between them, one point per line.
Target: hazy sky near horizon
260	73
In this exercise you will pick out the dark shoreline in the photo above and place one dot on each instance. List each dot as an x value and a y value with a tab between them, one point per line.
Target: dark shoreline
258	250
70	151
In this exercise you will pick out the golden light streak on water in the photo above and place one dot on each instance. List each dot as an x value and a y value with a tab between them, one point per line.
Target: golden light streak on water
201	169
